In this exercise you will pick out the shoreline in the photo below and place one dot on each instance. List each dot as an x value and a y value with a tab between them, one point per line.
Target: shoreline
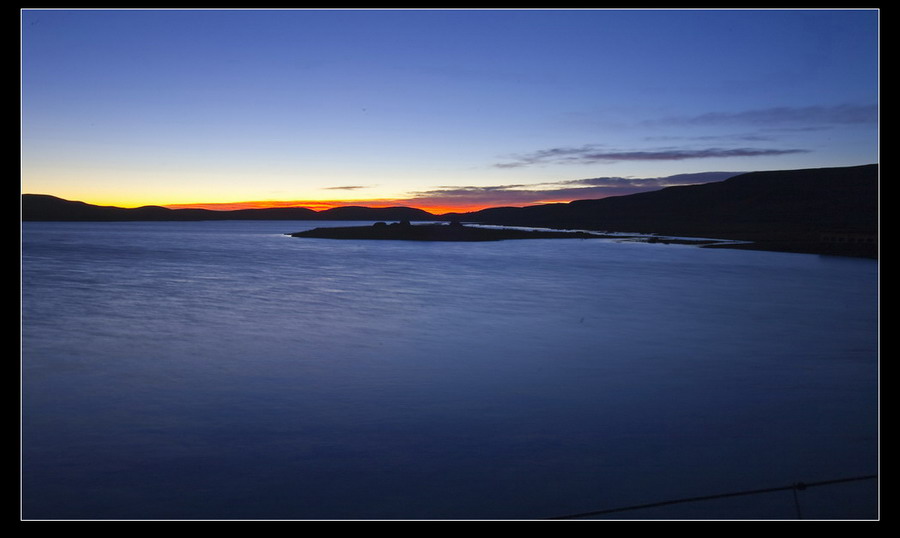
457	232
454	231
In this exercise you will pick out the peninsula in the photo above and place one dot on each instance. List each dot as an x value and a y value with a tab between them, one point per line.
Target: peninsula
455	231
818	211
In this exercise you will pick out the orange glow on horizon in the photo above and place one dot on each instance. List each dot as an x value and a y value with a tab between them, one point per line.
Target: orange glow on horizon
433	207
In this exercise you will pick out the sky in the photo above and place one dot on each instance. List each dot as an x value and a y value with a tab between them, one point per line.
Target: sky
438	109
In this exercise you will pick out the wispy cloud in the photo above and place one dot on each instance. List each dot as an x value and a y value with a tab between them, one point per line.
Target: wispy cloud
347	187
758	126
809	117
444	199
667	181
590	154
559	191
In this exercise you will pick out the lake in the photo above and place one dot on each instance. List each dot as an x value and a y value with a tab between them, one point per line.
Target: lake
224	370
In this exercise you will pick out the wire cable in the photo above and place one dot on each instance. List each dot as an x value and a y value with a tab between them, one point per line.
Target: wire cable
795	487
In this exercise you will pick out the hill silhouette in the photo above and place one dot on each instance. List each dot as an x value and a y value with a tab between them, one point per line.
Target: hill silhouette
824	210
454	231
818	210
42	207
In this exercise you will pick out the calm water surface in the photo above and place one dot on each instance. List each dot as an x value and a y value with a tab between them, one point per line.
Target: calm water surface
217	370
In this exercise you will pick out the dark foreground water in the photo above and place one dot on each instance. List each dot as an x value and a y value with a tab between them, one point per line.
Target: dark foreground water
218	370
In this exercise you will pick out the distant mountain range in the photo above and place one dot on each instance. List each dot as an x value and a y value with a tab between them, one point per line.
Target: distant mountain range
809	210
42	207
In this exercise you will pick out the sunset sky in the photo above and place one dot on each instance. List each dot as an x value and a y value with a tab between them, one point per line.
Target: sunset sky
437	109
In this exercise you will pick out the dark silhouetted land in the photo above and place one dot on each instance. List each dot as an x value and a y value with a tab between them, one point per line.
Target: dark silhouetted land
42	207
455	231
817	210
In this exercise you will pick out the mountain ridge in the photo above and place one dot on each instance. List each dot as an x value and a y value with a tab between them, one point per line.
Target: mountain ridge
822	210
45	207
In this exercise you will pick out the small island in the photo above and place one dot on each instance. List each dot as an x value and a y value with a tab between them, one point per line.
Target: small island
454	231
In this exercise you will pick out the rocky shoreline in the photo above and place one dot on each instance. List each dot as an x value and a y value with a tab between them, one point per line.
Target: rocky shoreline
454	231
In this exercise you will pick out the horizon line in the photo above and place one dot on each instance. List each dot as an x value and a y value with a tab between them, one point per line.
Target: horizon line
436	209
324	205
444	200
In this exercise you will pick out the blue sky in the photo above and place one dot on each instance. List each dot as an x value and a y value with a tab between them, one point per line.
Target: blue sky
135	107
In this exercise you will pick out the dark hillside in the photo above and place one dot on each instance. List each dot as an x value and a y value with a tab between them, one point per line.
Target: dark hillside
36	207
821	210
45	207
783	210
375	213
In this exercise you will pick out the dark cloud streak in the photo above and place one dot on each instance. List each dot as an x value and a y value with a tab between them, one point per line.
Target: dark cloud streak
566	190
803	117
591	154
765	120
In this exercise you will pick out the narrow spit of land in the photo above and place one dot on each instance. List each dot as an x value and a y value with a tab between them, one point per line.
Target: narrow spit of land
455	231
825	211
436	232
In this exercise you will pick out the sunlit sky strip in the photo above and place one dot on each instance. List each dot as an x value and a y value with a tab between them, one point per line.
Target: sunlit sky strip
137	107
